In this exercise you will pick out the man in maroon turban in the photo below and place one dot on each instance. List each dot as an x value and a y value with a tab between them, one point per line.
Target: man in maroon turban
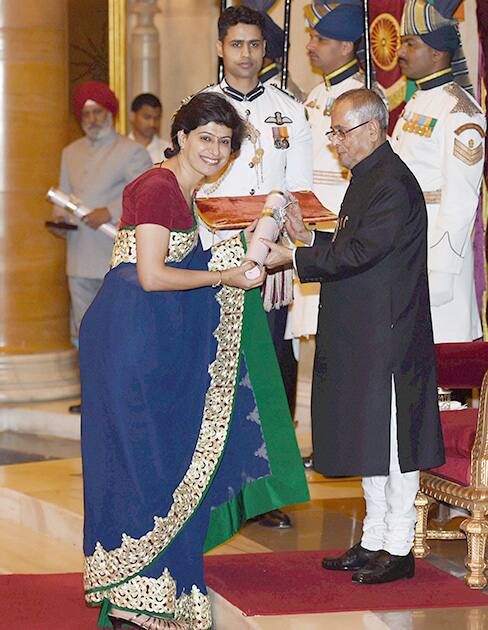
95	169
94	91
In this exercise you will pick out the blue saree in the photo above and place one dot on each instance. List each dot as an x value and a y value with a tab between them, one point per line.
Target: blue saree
186	431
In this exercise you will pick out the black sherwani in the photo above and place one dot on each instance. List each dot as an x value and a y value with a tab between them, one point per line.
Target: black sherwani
374	321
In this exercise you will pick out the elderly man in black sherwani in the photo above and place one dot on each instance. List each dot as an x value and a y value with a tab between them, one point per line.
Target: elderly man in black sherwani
374	400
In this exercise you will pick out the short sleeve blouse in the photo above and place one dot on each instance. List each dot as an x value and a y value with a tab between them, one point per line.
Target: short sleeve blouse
155	197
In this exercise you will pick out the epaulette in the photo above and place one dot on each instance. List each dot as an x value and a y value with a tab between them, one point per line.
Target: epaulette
277	87
203	89
464	103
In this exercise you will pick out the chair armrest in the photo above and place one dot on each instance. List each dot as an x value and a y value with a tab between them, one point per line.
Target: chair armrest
479	453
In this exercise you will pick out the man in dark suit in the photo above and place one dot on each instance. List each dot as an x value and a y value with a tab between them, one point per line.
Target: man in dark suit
374	401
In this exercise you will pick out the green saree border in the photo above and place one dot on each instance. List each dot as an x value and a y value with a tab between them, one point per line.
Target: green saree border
287	484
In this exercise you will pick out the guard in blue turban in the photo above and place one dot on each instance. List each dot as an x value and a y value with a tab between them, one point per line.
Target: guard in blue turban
434	22
343	21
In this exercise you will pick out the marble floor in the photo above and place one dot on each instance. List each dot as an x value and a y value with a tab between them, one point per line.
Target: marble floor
41	528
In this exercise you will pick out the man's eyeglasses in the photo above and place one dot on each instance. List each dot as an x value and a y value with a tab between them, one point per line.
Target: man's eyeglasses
340	135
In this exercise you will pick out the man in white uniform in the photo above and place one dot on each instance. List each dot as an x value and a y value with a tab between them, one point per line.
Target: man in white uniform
440	136
276	154
146	120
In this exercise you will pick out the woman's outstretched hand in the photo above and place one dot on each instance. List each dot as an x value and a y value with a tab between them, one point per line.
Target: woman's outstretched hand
236	277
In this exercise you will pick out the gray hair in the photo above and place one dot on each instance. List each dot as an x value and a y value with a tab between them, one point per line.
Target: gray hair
365	105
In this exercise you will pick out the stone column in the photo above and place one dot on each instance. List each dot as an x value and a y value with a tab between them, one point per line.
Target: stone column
37	361
144	49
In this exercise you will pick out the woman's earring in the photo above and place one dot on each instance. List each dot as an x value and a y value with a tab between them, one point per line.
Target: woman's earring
181	140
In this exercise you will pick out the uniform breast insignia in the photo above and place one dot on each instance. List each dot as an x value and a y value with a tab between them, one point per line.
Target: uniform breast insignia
278	119
464	103
419	124
281	138
327	111
340	225
472	152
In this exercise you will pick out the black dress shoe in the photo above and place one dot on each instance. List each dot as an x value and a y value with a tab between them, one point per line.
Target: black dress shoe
276	519
308	462
75	409
386	567
355	558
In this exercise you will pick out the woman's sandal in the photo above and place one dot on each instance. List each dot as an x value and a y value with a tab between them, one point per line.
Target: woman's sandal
144	622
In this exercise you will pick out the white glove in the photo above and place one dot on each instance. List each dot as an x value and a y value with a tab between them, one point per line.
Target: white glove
441	287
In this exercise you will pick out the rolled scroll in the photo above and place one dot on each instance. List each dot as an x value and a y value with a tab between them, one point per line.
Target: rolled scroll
76	207
269	227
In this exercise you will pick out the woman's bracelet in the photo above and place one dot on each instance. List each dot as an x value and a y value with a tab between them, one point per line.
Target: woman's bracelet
217	284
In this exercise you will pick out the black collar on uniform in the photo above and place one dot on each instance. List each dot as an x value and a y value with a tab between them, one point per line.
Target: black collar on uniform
372	160
269	72
435	79
342	73
239	96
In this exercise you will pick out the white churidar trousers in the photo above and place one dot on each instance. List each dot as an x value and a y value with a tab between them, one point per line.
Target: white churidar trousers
390	512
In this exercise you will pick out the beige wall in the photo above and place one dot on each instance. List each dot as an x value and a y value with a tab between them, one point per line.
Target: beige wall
187	31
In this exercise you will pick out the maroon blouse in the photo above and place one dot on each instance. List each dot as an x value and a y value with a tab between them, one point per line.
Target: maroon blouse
155	197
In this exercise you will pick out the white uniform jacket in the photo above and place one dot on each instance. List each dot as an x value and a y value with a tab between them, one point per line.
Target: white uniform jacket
275	155
440	136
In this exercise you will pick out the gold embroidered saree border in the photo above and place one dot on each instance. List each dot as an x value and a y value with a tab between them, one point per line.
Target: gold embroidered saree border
157	596
109	569
125	249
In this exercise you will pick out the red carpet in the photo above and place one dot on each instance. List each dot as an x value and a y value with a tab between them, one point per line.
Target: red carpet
258	584
44	602
294	583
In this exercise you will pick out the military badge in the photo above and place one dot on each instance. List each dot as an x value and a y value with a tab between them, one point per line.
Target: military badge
281	137
470	153
419	124
327	111
278	119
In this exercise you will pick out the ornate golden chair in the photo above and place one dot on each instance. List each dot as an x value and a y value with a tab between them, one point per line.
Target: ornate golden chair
463	480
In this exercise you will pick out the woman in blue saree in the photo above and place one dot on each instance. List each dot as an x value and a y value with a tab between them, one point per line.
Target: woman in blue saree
185	427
